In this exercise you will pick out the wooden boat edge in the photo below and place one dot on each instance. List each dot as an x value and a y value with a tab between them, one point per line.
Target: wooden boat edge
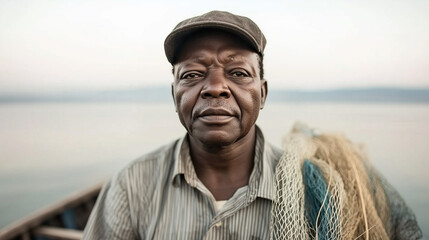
34	219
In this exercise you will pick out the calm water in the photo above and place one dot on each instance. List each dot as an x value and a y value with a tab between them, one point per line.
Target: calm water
50	150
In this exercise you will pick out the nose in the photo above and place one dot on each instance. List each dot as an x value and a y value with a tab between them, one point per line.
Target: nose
215	86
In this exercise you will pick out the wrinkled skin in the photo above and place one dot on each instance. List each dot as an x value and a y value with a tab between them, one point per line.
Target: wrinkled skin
217	89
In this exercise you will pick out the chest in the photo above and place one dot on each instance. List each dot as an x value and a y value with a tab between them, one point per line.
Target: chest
187	213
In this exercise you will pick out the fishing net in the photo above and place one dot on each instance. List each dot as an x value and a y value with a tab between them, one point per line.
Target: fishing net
325	189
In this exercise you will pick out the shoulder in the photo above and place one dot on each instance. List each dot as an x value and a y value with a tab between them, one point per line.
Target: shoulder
272	153
273	150
154	159
147	169
127	194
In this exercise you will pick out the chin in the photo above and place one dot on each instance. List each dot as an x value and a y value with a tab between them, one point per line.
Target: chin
215	138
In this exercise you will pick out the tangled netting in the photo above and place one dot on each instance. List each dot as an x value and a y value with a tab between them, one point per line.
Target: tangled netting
324	190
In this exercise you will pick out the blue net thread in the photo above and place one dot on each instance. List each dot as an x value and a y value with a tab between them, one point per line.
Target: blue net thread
315	191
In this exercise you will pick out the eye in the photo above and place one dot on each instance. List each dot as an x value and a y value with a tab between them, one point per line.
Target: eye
191	75
239	73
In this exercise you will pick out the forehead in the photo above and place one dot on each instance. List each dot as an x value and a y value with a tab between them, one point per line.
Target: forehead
211	40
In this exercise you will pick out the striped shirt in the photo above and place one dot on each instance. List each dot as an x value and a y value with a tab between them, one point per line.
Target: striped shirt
159	196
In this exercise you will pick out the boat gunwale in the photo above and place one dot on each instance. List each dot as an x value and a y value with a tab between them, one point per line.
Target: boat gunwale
36	218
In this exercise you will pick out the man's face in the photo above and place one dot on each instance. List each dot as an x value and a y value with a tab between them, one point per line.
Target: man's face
217	89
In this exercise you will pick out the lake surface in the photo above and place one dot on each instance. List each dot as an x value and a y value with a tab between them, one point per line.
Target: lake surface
49	150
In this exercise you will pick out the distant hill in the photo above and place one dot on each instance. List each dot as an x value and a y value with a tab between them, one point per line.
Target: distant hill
352	95
149	94
163	94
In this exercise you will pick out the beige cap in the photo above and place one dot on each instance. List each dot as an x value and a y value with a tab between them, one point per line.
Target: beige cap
235	24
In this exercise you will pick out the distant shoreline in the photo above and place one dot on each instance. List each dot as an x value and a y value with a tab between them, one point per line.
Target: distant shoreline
163	94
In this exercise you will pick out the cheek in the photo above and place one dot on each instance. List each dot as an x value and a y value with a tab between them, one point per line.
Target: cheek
256	103
252	104
251	101
185	101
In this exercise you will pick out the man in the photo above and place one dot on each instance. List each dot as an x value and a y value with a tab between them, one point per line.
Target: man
218	181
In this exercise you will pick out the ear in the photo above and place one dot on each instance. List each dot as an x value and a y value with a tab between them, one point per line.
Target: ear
174	97
264	92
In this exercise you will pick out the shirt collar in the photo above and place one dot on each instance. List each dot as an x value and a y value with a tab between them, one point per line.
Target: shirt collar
261	183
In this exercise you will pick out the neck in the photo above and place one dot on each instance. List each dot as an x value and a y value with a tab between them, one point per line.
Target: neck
224	169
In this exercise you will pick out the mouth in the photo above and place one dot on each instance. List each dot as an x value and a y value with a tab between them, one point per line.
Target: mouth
215	116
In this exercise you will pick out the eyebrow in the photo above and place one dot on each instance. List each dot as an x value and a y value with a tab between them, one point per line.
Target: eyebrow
233	56
226	57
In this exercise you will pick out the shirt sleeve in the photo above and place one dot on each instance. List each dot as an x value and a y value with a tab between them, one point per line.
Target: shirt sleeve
110	218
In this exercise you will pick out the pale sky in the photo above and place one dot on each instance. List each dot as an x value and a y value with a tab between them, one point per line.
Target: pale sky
63	45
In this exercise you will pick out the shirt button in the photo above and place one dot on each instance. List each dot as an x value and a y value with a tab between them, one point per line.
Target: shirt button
218	224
